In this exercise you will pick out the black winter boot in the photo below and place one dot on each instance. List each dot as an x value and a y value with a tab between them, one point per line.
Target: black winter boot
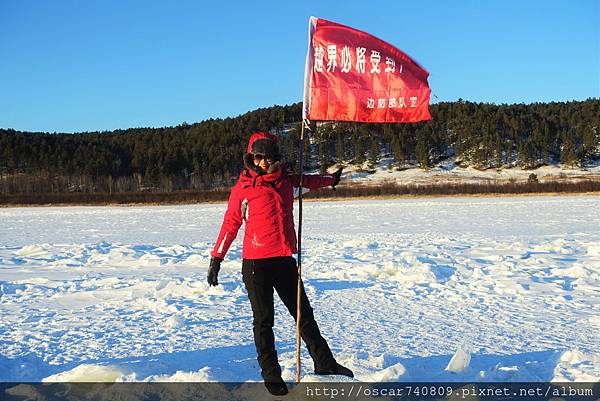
276	386
335	369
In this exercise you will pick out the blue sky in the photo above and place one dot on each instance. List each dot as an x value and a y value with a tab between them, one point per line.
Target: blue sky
72	65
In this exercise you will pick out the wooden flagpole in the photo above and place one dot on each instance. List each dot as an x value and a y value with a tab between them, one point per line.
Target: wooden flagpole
299	284
308	67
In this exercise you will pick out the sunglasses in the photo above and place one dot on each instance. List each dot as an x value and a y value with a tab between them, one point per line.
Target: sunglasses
260	156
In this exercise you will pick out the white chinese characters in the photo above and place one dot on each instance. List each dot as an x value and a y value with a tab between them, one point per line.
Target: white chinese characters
319	55
331	58
375	59
392	102
345	59
360	59
390	65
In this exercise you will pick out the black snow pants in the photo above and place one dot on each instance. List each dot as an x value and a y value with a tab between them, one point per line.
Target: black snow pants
261	276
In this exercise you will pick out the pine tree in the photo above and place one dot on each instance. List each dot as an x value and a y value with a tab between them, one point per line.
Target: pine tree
528	154
374	151
323	157
307	150
590	144
422	149
398	152
498	150
340	148
568	156
292	147
359	152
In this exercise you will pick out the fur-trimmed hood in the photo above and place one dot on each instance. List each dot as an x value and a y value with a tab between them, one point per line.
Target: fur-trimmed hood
265	143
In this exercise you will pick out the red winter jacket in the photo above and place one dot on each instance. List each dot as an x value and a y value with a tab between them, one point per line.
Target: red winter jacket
265	202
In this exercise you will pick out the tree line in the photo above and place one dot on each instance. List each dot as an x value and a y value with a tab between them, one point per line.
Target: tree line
208	154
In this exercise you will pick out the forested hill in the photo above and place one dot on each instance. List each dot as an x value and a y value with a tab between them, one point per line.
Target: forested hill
209	154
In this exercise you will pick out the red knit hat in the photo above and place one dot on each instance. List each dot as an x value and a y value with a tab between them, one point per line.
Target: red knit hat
263	135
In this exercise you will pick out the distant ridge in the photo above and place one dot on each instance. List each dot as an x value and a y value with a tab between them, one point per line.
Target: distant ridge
464	139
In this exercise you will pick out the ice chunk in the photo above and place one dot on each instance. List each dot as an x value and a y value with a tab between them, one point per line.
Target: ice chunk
389	374
461	359
87	373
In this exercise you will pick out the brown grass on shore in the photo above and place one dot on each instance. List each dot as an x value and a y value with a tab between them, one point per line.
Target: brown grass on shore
343	192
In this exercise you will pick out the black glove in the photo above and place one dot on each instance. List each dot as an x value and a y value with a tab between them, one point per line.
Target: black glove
213	271
337	175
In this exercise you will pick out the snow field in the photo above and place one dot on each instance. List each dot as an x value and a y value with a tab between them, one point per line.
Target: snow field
436	289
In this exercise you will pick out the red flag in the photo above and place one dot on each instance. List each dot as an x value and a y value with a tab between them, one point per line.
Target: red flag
353	76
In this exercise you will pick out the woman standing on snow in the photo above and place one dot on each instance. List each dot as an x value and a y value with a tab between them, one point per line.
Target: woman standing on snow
263	198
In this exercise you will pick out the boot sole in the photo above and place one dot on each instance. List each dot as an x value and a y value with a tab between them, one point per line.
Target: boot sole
333	374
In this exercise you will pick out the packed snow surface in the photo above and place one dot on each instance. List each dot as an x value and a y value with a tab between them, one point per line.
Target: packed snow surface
430	289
